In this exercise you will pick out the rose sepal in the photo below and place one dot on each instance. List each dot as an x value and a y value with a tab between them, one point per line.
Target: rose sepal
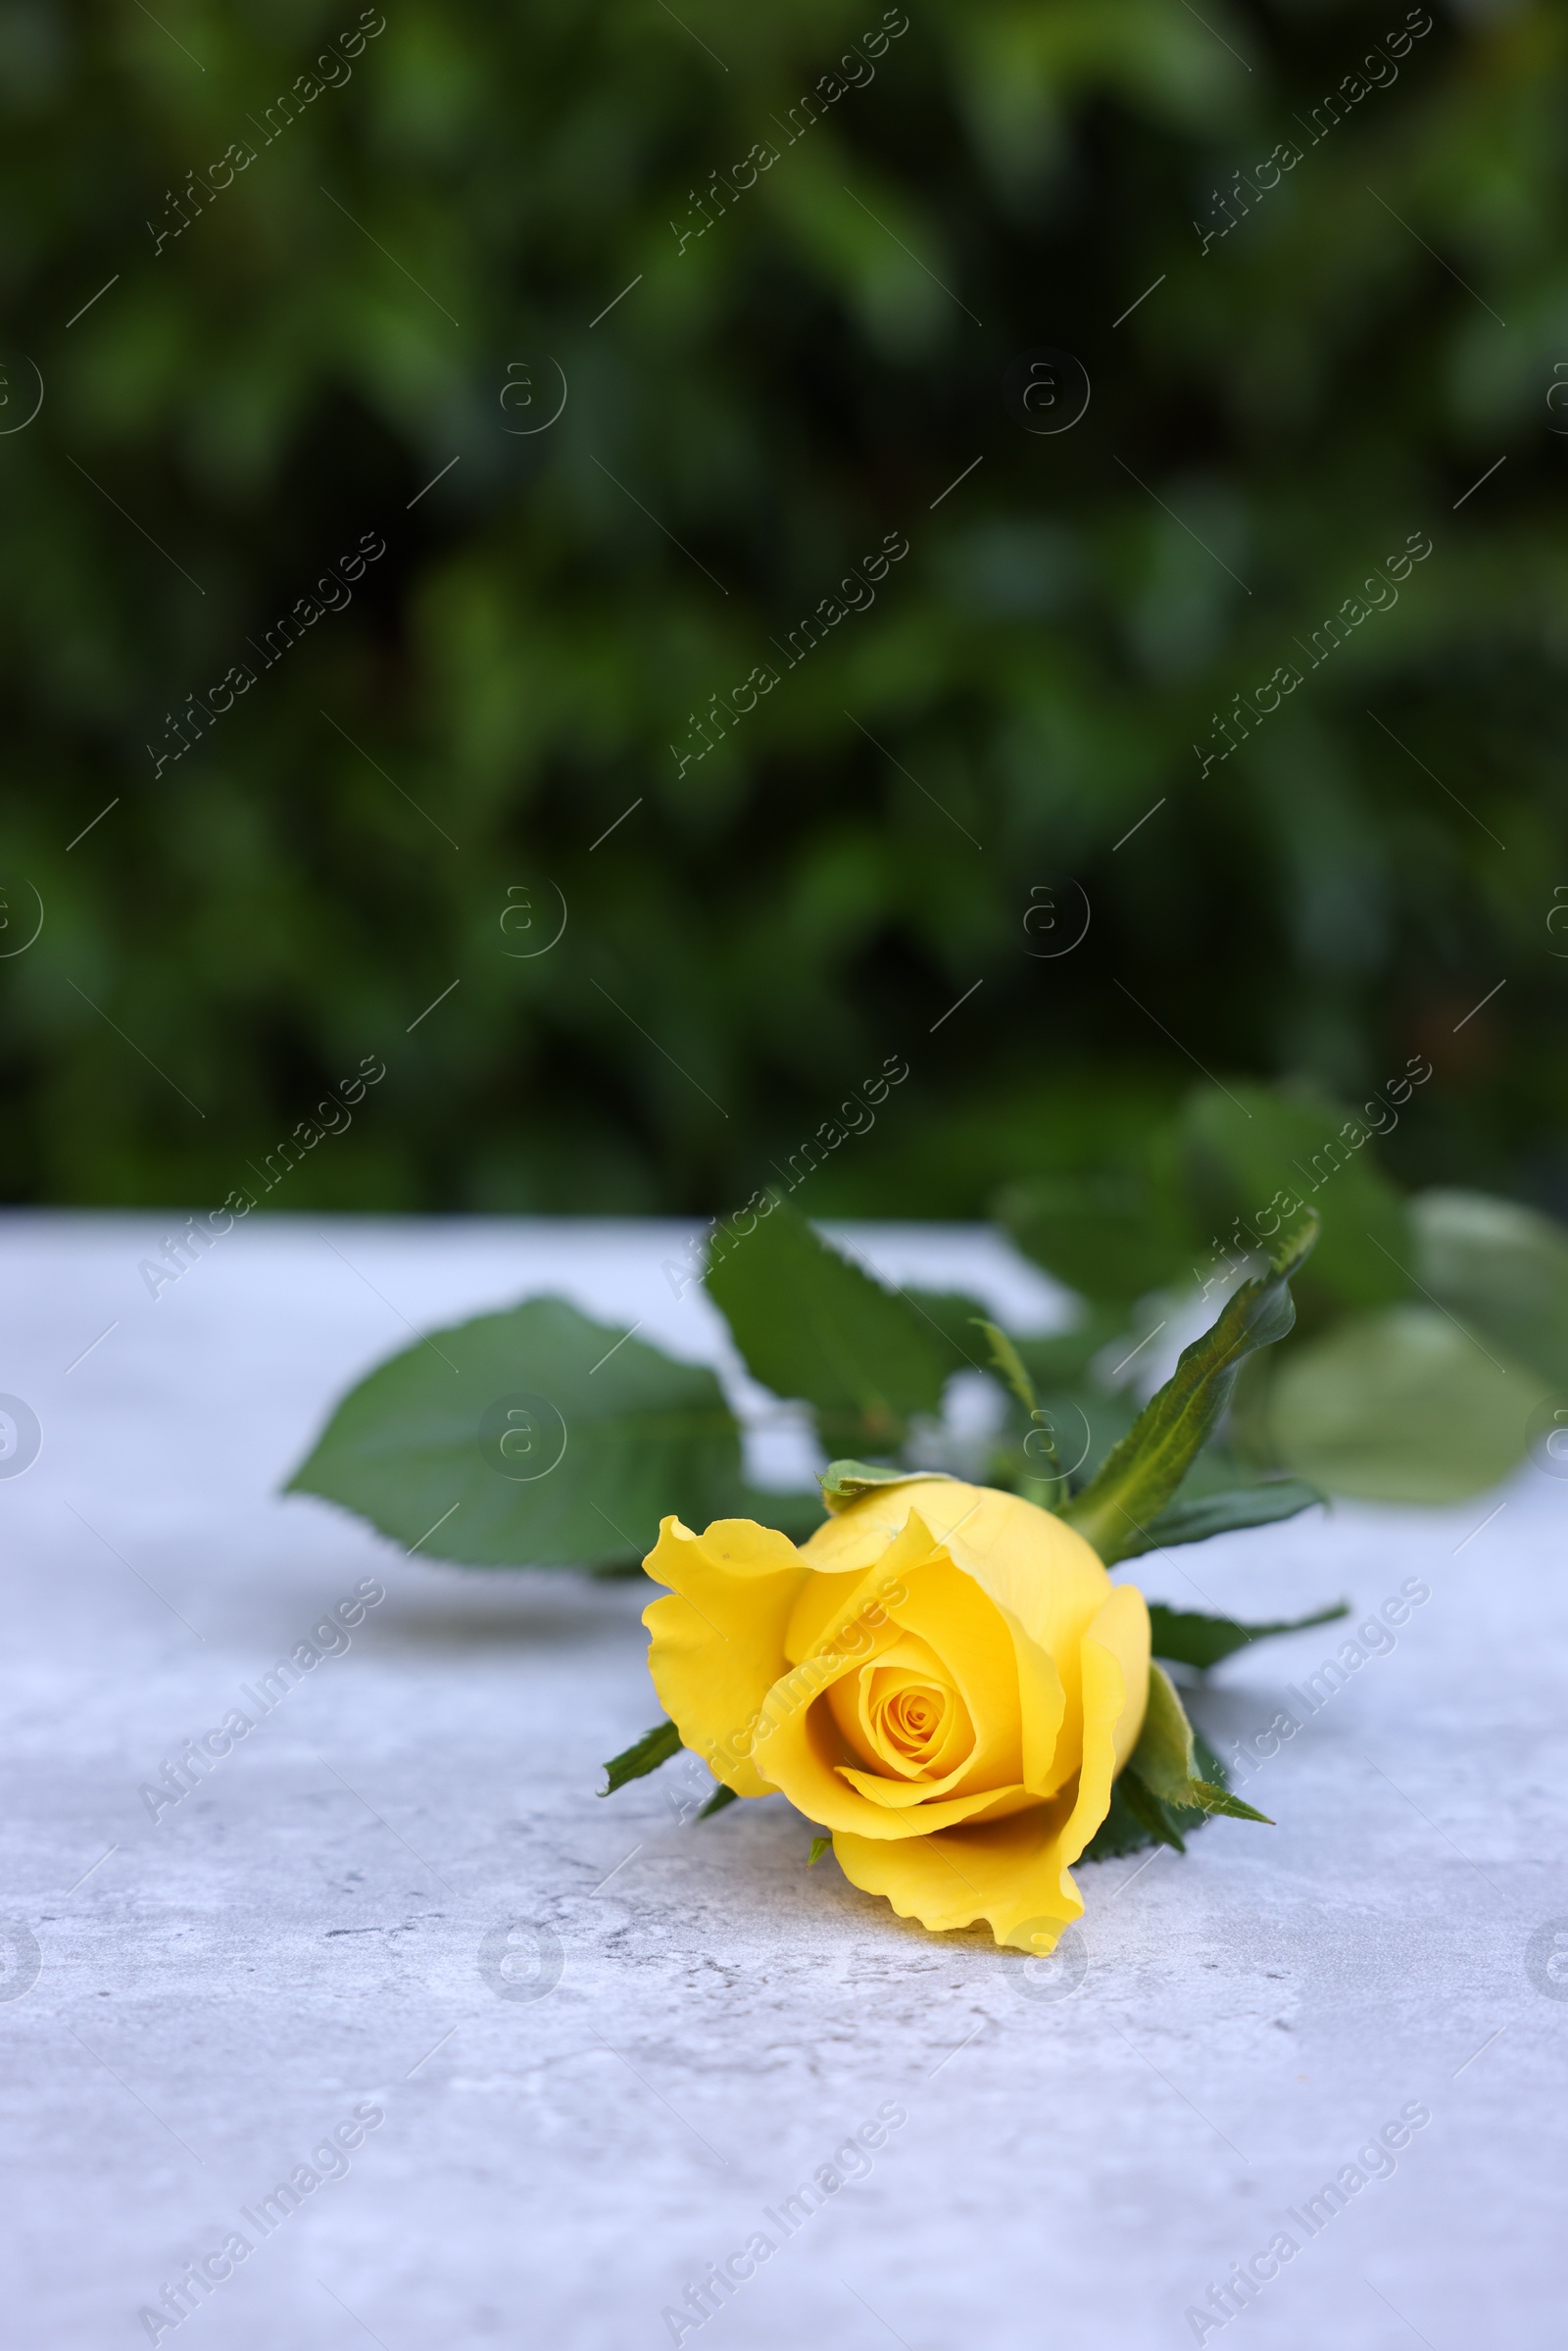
1160	1765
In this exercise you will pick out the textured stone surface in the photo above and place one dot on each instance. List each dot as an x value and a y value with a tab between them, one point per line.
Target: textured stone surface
307	1931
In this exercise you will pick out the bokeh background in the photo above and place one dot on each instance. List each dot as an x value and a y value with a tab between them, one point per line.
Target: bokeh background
401	279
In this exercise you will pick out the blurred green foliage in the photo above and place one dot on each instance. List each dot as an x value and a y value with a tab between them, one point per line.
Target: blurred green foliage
760	407
1431	1330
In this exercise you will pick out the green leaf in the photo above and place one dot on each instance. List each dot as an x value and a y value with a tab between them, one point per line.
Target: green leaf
1503	1270
644	1755
1263	1155
844	1482
813	1325
1140	1475
1111	1236
1122	1831
1189	1636
948	1315
1158	1821
532	1437
1196	1518
717	1801
1126	1827
1402	1407
819	1845
1163	1758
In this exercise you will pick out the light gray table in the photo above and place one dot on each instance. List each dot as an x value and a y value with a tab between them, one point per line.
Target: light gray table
604	2042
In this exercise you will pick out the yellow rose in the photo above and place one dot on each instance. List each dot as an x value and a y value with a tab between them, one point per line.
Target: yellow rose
944	1675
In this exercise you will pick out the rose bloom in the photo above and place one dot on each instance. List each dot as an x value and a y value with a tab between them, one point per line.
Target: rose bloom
944	1675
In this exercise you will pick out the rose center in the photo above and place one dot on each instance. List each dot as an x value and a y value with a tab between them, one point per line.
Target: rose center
912	1720
903	1716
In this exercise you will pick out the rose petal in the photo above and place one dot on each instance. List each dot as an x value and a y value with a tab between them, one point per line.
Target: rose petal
1015	1873
800	1746
859	1706
719	1636
1011	1873
965	1632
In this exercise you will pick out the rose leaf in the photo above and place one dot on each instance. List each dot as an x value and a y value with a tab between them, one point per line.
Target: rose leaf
1139	1476
1194	1520
1163	1758
1190	1637
645	1754
812	1323
530	1437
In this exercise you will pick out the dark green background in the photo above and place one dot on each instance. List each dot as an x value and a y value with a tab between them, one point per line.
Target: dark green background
271	384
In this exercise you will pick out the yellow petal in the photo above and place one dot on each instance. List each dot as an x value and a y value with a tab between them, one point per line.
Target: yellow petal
1009	1872
801	1749
819	1605
1015	1873
719	1636
800	1746
859	1535
803	1758
860	1704
999	1804
1115	1689
1030	1561
959	1623
1122	1627
895	1796
1050	1745
1045	1584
